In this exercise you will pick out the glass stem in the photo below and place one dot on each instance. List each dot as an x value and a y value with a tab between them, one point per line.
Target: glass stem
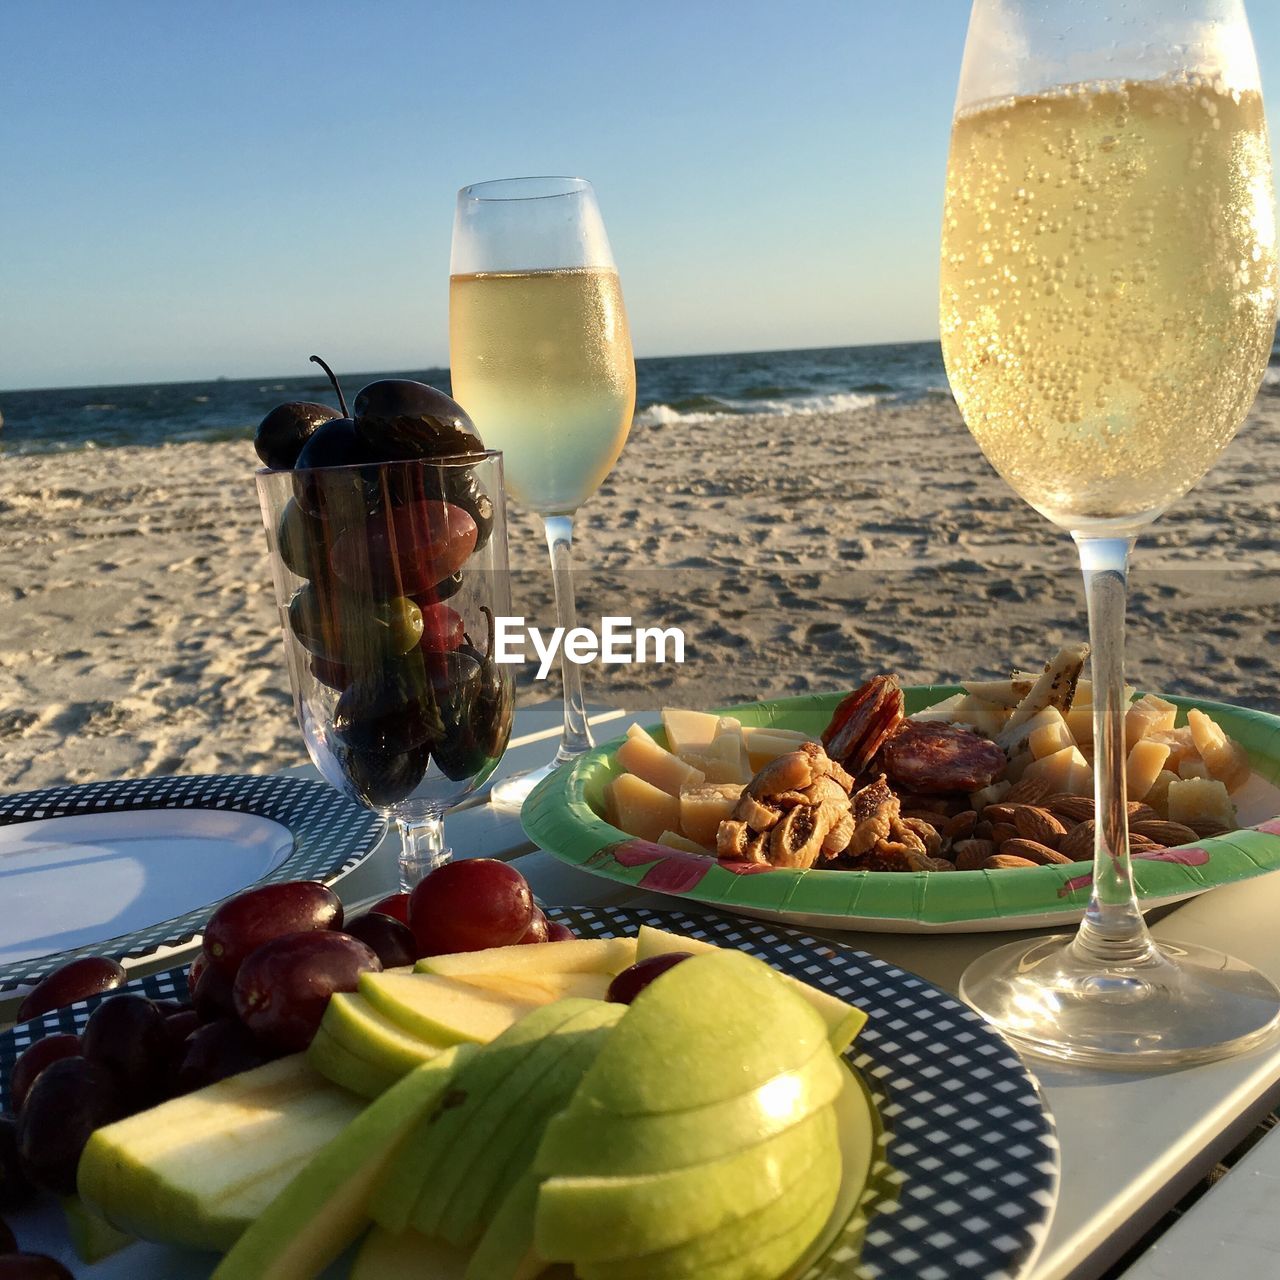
1113	931
422	847
577	733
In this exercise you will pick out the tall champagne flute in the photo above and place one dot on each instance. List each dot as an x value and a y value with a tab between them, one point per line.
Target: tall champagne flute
540	357
1108	305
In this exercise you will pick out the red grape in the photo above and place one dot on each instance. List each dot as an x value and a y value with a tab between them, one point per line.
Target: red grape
34	1060
129	1036
406	549
214	995
468	906
631	982
396	906
32	1266
390	940
78	980
197	967
442	628
15	1188
69	1100
218	1050
283	987
247	921
558	932
538	930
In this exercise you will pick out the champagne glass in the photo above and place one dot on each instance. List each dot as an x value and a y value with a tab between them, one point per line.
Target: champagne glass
1108	305
388	578
540	357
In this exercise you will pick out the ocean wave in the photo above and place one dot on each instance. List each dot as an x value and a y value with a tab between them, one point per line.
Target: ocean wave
1271	380
99	407
710	409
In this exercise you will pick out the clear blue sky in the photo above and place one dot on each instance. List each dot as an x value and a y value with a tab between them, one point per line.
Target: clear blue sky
201	187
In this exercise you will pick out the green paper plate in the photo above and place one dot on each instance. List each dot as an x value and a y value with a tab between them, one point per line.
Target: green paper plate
562	816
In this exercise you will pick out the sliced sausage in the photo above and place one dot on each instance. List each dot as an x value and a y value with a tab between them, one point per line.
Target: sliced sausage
941	757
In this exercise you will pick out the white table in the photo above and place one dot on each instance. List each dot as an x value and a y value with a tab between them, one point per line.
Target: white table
1132	1145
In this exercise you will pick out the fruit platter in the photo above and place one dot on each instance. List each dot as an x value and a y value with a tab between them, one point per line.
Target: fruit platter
457	1084
926	808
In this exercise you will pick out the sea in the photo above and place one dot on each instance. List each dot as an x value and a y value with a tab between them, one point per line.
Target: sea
669	390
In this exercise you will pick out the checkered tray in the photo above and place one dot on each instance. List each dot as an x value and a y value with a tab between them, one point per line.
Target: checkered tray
966	1172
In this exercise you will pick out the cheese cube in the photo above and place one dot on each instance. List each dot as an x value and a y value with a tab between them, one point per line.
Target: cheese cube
673	840
985	717
725	760
1158	796
1049	738
688	730
1067	772
639	808
643	757
1193	800
1147	715
1192	767
1016	741
1179	741
766	744
1224	758
1080	723
1144	766
1084	695
703	808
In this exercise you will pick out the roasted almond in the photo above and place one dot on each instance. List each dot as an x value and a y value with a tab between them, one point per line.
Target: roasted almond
1002	831
1165	833
1139	812
1027	791
961	826
972	854
1207	827
1033	851
1071	809
1005	861
1140	844
1038	824
998	812
982	829
1077	844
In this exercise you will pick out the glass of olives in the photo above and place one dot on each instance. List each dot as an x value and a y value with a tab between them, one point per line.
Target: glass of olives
389	576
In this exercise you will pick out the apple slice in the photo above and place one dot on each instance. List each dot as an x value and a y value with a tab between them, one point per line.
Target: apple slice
351	1021
505	1251
585	1220
576	955
92	1237
325	1206
750	1026
843	1020
584	1139
197	1170
341	1066
406	1256
442	1009
500	1132
542	988
431	1145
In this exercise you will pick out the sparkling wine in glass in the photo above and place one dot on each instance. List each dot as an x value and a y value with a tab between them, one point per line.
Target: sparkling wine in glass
540	357
1108	306
388	577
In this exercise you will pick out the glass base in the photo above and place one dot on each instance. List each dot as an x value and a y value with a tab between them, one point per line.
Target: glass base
512	792
1182	1004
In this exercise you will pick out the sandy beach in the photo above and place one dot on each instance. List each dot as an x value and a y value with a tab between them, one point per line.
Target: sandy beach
139	634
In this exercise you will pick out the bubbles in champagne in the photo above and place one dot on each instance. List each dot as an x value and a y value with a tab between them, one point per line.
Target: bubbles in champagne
1108	288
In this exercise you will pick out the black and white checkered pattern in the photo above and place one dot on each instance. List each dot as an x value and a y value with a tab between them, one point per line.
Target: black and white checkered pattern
330	836
965	1180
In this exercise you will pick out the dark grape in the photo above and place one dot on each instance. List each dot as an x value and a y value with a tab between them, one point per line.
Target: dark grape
558	932
403	419
631	982
396	906
388	711
245	922
340	497
178	1027
8	1243
32	1266
537	930
389	939
283	432
78	980
69	1100
332	444
462	487
379	778
128	1035
301	539
441	590
331	674
33	1061
468	906
218	1050
213	995
283	987
15	1186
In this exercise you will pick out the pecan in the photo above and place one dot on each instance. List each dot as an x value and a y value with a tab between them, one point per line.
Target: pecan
1168	834
1038	824
1003	861
972	854
1033	851
1070	809
863	722
1027	791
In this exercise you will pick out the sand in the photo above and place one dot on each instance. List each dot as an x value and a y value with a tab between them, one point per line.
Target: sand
139	634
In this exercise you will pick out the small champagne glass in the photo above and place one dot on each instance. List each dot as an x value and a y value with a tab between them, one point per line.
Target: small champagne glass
1108	306
540	357
388	578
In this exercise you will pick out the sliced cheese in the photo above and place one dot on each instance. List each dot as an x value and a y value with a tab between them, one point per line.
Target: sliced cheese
941	712
1055	688
1004	693
702	809
765	744
643	757
674	840
1144	765
688	730
639	808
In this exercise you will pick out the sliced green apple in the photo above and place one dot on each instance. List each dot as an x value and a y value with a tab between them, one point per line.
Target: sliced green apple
499	1134
505	1251
720	1025
351	1020
585	1220
541	987
92	1236
574	955
197	1170
442	1010
340	1065
586	1139
843	1020
406	1255
326	1205
430	1146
